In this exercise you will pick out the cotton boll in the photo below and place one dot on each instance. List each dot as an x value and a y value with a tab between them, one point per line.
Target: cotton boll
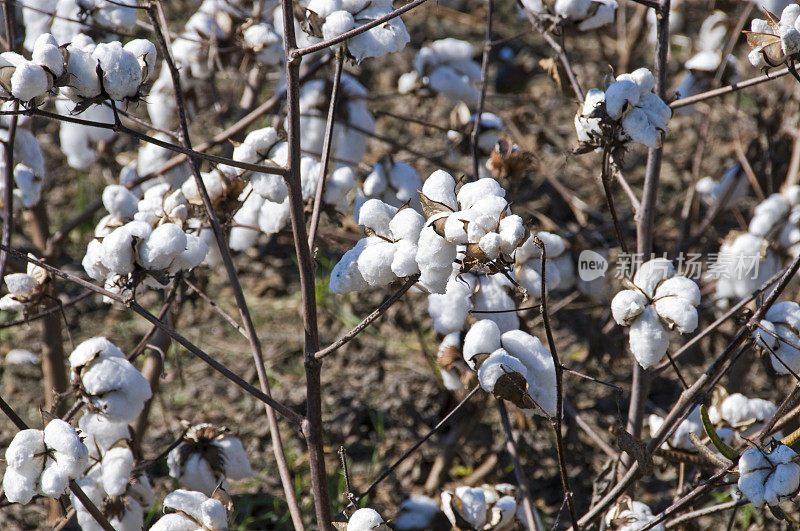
455	86
493	294
193	256
21	285
652	273
627	305
404	262
603	16
122	74
619	96
116	467
377	215
92	349
450	309
120	202
213	514
441	187
100	433
145	52
19	487
539	363
338	184
118	248
406	225
83	78
387	38
375	262
679	286
24	453
483	337
768	477
416	514
195	474
491	206
512	234
648	339
677	312
638	128
337	23
164	244
116	388
237	465
49	56
787	312
346	276
472	507
29	81
69	452
365	519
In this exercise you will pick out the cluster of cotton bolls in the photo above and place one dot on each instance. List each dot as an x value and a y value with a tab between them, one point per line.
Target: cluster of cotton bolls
445	66
779	336
143	240
630	515
585	14
702	67
388	252
513	365
627	111
192	511
43	462
25	290
206	458
392	181
773	42
328	19
658	300
67	18
747	259
354	122
476	222
265	200
768	475
77	70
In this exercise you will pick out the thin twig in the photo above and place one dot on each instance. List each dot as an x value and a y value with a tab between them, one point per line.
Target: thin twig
522	480
476	126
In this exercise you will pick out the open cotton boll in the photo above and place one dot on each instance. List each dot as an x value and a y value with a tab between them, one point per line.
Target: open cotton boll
541	372
483	337
346	276
53	481
450	309
651	273
25	451
122	74
627	305
120	202
493	293
768	477
630	516
677	312
100	433
83	79
20	285
68	450
208	512
115	16
472	507
406	225
46	54
512	234
265	42
621	95
417	513
603	15
162	246
435	257
145	52
96	347
404	262
116	466
638	128
29	81
441	187
455	86
19	487
389	37
648	340
195	473
118	250
237	465
375	262
337	23
455	227
116	388
768	214
365	519
377	215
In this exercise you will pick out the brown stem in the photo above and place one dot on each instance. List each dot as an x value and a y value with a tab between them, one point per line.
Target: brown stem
522	480
476	126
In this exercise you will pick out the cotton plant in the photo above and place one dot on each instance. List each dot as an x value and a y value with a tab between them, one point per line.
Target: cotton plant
42	462
366	519
107	382
626	111
29	171
775	41
392	181
389	252
657	300
446	67
768	475
188	510
354	122
26	291
265	199
778	336
327	19
584	14
486	507
207	457
475	222
630	515
513	365
559	269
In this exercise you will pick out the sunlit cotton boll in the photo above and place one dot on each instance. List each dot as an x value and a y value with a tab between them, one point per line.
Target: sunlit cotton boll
767	477
366	519
192	508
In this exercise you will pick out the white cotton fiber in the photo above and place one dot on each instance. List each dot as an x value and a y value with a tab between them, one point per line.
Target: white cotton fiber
648	339
483	337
